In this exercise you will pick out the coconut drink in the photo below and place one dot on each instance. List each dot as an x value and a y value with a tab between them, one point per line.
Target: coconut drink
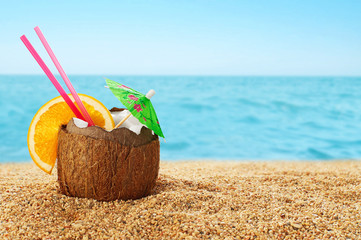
95	163
100	154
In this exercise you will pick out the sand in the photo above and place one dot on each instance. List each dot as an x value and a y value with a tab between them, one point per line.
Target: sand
193	200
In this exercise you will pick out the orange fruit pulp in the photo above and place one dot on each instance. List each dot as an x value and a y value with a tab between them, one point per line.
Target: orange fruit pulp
45	126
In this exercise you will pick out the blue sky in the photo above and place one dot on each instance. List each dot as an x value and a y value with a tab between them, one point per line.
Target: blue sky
306	37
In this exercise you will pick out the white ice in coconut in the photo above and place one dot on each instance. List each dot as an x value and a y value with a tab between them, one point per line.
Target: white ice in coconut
132	123
80	123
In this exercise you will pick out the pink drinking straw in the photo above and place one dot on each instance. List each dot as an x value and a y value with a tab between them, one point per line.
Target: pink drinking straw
64	76
52	78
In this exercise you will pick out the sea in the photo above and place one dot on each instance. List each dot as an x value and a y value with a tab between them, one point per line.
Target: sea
213	117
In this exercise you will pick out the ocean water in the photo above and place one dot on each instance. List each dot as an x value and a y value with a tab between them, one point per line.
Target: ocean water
230	118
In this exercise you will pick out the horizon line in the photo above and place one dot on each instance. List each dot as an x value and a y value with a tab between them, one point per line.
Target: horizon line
184	75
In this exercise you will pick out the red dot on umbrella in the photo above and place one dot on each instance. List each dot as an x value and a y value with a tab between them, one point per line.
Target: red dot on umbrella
133	97
137	107
122	86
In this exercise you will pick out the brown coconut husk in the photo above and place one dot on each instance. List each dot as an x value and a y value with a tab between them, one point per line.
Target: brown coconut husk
106	166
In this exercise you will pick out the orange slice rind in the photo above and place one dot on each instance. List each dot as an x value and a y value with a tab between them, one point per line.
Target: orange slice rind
44	128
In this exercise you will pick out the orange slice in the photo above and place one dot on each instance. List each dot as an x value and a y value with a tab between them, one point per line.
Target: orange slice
44	128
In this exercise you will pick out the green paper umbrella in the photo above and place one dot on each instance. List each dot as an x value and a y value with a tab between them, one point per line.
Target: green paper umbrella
138	104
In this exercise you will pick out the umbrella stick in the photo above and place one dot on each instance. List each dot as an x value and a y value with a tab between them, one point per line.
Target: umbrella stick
121	122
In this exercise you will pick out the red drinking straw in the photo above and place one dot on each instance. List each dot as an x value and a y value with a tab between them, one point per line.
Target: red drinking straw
64	76
52	78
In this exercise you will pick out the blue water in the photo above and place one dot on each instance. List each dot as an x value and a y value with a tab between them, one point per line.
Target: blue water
260	118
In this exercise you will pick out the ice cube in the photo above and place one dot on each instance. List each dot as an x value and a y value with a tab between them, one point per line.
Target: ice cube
80	123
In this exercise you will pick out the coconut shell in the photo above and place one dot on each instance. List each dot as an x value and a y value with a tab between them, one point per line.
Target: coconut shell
94	163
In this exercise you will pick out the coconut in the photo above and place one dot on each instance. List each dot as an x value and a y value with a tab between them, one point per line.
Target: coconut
95	163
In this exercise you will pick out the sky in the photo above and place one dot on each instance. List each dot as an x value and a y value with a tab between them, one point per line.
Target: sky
308	37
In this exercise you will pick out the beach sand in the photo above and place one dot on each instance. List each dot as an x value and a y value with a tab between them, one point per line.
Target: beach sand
193	200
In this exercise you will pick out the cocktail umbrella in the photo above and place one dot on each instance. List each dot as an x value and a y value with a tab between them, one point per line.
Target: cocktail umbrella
138	104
